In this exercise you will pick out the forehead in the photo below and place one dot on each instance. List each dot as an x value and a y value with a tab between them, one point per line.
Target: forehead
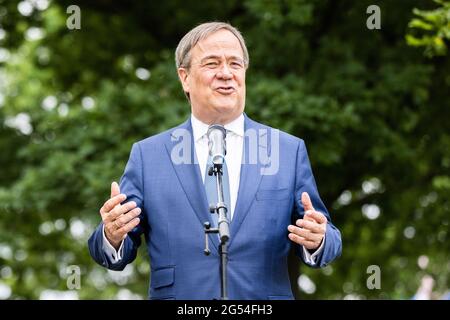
222	42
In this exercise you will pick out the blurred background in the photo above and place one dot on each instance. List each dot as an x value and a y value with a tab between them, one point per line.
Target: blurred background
372	105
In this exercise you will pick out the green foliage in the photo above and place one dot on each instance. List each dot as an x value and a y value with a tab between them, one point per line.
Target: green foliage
435	29
373	112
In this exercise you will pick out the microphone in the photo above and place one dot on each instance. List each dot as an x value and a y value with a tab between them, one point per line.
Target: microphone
216	143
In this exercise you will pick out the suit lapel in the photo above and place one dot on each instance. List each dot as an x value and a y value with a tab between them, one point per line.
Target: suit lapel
250	177
189	175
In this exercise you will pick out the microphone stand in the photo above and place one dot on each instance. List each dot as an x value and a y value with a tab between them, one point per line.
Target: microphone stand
223	228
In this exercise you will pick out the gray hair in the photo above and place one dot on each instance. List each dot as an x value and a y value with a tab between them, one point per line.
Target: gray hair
202	31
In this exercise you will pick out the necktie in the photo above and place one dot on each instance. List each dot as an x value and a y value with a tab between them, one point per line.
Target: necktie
211	189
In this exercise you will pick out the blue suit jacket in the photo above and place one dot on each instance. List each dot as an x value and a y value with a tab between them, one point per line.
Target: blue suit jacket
174	207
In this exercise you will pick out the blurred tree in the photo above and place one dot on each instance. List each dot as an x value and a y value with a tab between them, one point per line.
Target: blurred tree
372	110
434	22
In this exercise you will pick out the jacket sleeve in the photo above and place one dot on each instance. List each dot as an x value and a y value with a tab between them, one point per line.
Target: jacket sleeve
131	184
305	182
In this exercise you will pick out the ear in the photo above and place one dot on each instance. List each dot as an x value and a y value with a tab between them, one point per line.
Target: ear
183	76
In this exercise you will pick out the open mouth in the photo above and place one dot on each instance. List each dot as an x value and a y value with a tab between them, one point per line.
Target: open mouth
225	90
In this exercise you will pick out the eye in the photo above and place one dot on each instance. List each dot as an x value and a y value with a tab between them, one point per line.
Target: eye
236	64
211	64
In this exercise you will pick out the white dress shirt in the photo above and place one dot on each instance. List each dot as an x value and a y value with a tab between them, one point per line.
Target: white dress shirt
234	141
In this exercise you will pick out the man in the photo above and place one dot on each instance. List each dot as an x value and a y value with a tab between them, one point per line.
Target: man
167	200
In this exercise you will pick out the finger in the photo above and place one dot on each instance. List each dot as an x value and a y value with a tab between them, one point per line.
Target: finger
306	202
302	241
115	189
312	226
128	227
317	216
121	210
110	229
125	218
308	235
111	203
307	216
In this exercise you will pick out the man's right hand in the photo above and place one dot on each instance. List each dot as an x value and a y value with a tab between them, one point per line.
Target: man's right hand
118	219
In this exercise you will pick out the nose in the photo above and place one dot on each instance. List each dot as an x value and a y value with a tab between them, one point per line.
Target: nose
225	72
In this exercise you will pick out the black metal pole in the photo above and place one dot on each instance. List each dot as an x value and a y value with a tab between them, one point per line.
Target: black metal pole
223	270
221	209
223	229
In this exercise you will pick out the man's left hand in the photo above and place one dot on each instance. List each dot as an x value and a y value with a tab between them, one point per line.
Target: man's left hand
310	230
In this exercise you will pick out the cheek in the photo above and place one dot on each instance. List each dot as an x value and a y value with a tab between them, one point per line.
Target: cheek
240	79
200	81
206	79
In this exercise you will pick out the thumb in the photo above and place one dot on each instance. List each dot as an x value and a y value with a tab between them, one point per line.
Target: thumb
306	201
115	189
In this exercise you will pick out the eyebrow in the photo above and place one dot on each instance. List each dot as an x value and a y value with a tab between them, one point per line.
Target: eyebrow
219	57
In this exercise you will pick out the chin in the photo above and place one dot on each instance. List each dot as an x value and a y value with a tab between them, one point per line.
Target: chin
225	104
225	108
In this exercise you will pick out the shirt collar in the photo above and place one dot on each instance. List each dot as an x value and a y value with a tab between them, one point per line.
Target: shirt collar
200	128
